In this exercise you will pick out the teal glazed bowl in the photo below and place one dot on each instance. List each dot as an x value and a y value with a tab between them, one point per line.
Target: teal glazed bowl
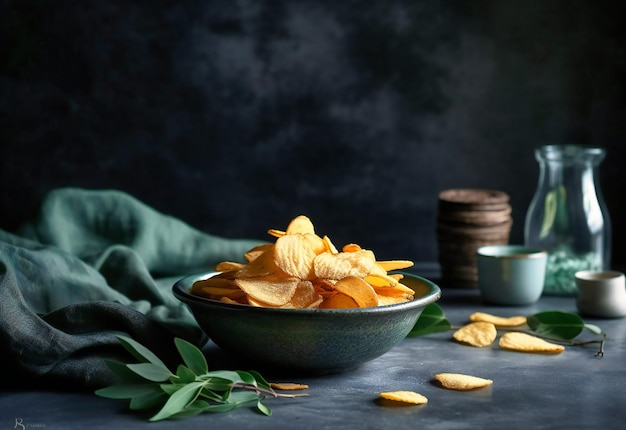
307	341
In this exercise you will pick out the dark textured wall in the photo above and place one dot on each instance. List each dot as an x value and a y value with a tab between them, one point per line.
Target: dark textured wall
237	115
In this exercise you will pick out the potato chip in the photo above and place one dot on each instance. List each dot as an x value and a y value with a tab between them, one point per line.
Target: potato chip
330	246
517	341
255	252
300	224
288	386
229	300
410	397
305	296
338	266
215	287
227	266
273	290
276	233
479	334
262	265
294	254
388	266
461	382
390	300
498	321
362	292
338	301
351	247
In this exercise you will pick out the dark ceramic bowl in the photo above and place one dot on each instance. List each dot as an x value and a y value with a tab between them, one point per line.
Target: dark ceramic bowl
310	341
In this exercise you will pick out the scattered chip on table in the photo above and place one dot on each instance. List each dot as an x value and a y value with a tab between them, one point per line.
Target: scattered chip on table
523	342
410	397
461	382
498	321
479	334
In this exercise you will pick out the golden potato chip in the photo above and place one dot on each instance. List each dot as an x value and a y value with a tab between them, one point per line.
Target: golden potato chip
305	296
461	382
351	247
388	266
300	224
517	341
479	334
273	290
255	252
262	265
324	284
398	290
338	266
276	233
405	397
227	266
390	300
362	292
498	321
215	287
229	300
338	301
294	254
330	247
288	386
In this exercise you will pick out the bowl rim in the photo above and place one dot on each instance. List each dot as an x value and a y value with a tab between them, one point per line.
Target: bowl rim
181	287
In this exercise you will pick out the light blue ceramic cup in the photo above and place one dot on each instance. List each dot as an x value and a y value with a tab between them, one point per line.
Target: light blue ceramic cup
511	274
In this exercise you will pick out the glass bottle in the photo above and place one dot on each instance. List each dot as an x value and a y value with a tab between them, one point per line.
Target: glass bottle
567	215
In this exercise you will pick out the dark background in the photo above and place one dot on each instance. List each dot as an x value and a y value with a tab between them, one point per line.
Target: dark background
235	116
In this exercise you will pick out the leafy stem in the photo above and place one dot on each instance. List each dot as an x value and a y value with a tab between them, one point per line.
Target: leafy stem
557	326
193	389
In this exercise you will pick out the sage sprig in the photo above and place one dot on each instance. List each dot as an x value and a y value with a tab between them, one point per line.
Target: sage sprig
193	389
554	325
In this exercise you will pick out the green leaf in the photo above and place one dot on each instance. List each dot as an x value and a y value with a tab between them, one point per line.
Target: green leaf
150	371
247	377
140	352
171	388
260	380
261	407
149	400
432	320
218	384
125	391
192	356
242	397
123	373
179	401
221	407
594	328
212	395
195	408
229	375
559	324
184	374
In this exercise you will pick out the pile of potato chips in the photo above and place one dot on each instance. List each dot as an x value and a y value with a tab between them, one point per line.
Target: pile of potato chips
304	270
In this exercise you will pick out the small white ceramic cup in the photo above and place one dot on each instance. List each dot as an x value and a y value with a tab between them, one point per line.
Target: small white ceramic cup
601	293
511	274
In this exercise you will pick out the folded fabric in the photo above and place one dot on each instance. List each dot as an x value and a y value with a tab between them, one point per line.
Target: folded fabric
94	264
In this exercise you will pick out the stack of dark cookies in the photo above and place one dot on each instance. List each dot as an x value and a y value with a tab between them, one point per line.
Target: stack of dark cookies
468	219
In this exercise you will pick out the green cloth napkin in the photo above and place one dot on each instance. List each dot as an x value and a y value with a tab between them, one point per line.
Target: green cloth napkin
94	264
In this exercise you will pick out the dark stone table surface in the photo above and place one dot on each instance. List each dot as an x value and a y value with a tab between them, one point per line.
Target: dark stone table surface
572	390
